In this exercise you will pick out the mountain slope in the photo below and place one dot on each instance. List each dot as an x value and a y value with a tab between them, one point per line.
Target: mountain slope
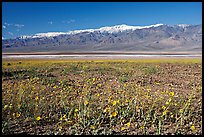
157	37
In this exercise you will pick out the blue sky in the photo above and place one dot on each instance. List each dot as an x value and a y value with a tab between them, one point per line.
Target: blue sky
27	18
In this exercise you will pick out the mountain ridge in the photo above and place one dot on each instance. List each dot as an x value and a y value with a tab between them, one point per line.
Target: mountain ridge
158	37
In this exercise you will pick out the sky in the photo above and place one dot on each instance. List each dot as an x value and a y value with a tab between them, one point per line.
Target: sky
28	18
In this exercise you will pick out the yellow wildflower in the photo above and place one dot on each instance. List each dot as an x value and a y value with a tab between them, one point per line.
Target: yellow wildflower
181	110
122	128
106	109
128	124
61	119
193	127
141	127
157	83
109	99
76	110
64	116
38	118
55	87
163	107
149	89
114	114
164	113
98	94
171	93
60	128
18	115
92	127
167	103
86	102
10	106
5	106
114	103
36	98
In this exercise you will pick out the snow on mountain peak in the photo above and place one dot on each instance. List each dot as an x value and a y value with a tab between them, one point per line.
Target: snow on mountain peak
124	27
49	34
41	35
183	25
108	29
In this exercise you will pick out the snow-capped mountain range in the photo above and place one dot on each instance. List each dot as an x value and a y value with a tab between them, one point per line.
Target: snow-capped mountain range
109	29
119	37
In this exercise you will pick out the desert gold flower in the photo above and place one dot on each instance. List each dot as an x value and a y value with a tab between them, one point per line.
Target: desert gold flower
76	110
19	105
92	127
181	110
55	87
18	114
61	119
109	98
10	106
157	83
141	127
128	124
60	128
5	106
64	116
193	127
38	118
171	93
86	102
36	98
122	128
164	113
149	89
163	107
167	103
114	103
114	114
98	94
106	109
